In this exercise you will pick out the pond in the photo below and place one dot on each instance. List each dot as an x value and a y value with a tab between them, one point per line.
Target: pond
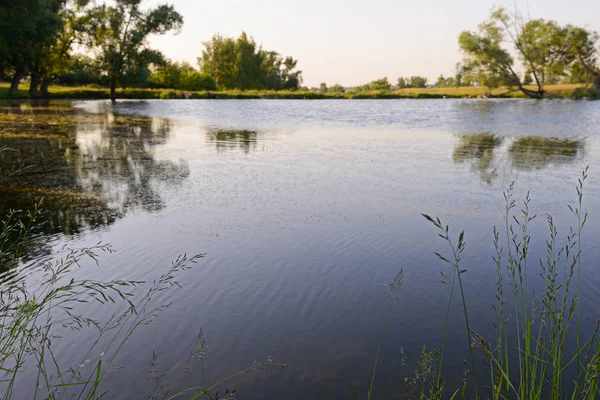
306	210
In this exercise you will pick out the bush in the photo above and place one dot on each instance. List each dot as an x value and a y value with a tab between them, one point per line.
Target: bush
167	94
196	81
586	93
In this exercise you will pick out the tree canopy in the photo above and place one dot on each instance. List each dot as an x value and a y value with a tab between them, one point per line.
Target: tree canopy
242	64
27	28
412	82
546	51
117	34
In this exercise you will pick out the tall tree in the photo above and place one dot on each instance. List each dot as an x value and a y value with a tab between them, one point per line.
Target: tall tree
219	60
118	35
581	54
27	28
56	57
402	83
417	82
241	64
541	46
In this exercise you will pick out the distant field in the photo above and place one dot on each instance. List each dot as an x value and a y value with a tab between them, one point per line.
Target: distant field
85	92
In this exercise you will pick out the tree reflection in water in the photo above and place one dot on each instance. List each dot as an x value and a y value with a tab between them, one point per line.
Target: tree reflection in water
89	168
524	153
478	150
536	152
225	140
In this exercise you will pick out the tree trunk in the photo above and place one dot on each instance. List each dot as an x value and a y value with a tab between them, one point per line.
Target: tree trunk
44	88
597	82
14	84
534	94
33	86
113	89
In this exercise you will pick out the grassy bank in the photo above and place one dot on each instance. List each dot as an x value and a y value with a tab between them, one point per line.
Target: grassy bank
85	92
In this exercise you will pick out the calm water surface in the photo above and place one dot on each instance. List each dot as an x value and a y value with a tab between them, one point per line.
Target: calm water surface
306	210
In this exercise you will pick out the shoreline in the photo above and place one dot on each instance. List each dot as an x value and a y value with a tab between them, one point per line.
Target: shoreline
87	93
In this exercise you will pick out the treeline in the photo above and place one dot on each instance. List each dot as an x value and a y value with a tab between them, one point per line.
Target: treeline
84	42
376	85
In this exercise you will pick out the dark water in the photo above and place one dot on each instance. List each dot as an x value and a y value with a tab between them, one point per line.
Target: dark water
306	210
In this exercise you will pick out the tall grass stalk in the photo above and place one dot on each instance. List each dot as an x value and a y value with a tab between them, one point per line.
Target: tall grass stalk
536	337
457	251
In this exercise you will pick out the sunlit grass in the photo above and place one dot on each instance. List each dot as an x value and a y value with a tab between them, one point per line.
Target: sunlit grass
85	92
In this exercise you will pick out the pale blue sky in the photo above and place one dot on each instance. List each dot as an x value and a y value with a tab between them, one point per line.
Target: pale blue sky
353	42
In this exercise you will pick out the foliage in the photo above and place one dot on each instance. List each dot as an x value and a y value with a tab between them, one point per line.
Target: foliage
336	89
56	58
82	70
586	93
581	54
27	28
380	84
180	76
241	64
445	82
412	82
417	82
117	35
402	83
545	49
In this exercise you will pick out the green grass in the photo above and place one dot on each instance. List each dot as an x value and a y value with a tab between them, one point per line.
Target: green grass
67	92
527	359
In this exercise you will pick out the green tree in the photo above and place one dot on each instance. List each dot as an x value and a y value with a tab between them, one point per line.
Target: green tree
402	83
417	82
581	55
248	72
27	28
240	64
441	82
196	81
118	34
337	88
323	88
182	76
527	79
380	84
56	58
219	60
81	70
540	45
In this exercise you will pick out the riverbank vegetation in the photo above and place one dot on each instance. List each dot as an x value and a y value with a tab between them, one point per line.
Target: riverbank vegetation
334	92
103	46
539	349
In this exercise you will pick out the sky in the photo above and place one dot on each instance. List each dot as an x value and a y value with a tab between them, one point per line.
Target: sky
353	42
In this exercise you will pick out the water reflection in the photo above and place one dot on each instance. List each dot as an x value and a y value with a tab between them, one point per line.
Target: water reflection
536	152
225	140
487	155
478	150
90	169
